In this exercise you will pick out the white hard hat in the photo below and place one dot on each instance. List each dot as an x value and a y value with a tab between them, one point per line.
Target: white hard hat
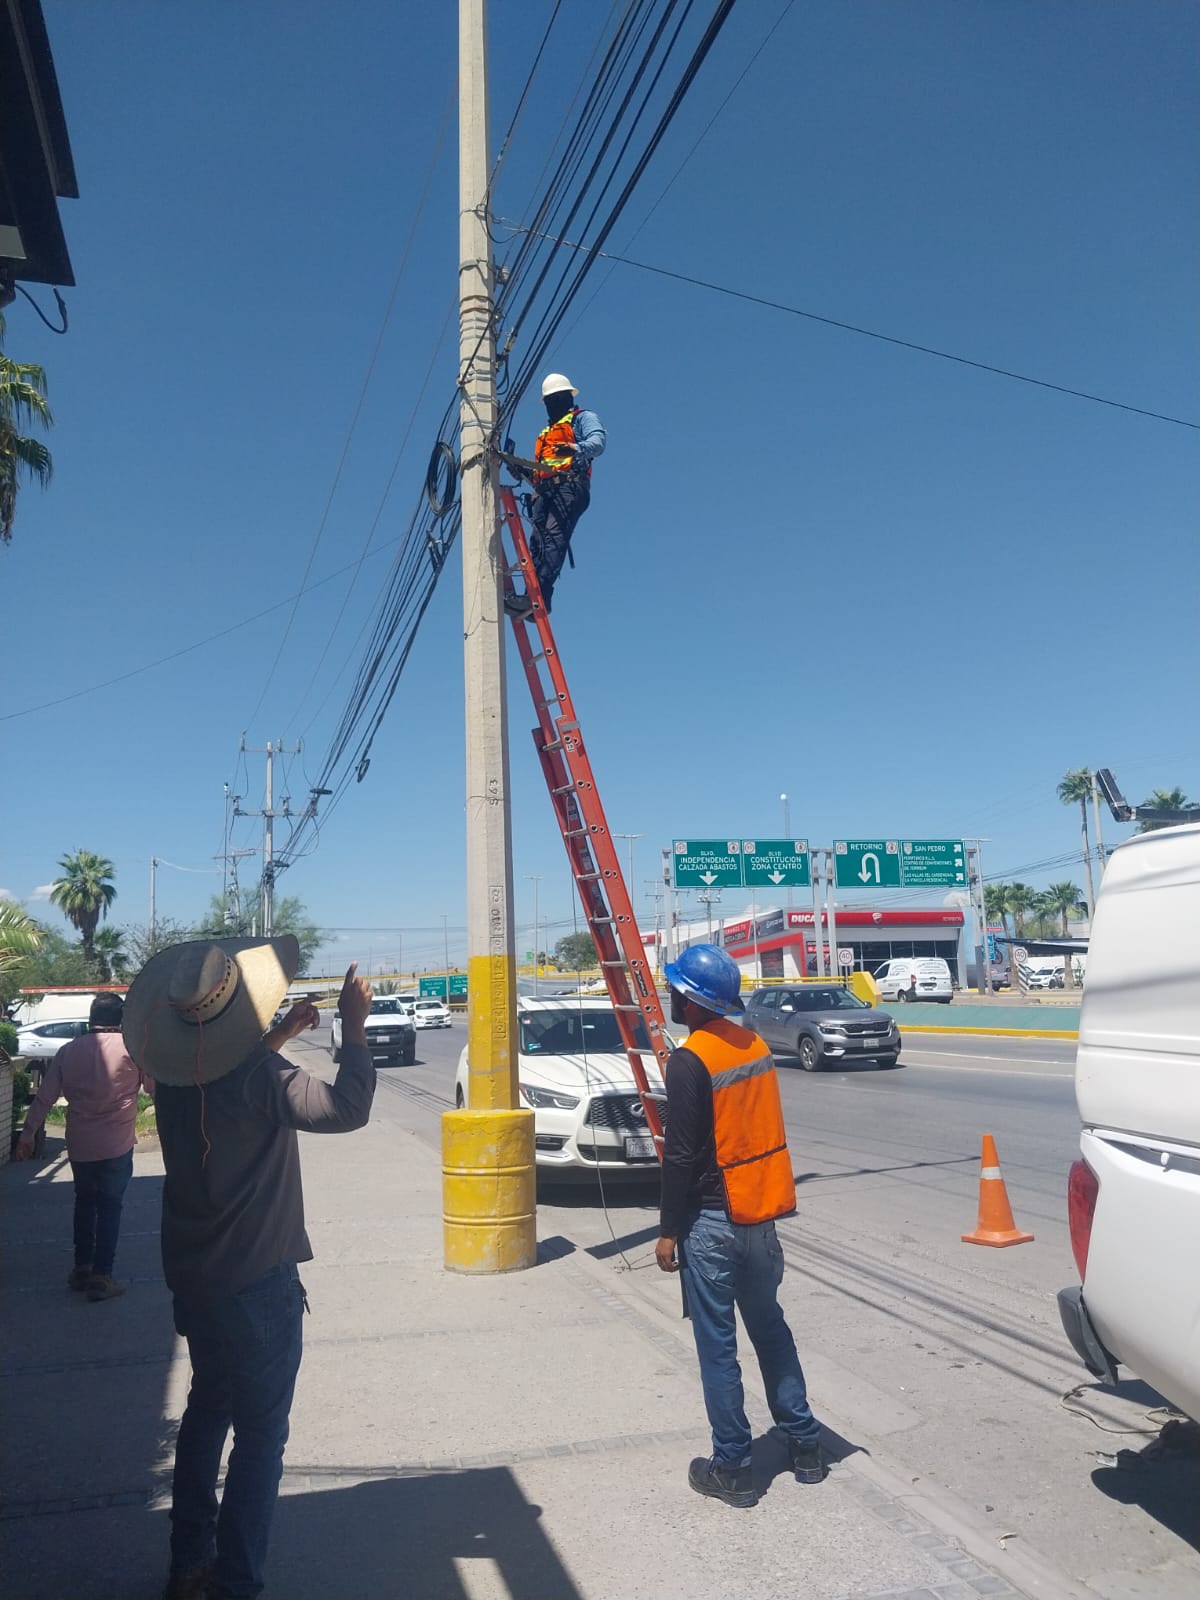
555	383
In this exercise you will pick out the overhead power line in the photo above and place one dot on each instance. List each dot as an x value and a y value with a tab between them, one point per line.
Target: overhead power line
872	333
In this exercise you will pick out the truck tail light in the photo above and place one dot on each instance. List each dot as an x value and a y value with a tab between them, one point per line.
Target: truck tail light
1083	1190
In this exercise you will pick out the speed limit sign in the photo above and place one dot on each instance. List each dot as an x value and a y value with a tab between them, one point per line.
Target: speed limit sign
1020	954
845	956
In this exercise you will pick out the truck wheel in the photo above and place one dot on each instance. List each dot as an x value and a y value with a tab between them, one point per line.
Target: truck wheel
409	1057
335	1053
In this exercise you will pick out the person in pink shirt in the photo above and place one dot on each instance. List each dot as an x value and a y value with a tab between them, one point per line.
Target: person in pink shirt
100	1083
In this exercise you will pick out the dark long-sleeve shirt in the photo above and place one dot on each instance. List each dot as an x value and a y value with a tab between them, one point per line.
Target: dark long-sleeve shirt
233	1205
691	1179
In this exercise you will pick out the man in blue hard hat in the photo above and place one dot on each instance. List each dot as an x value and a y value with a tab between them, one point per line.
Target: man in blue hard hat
726	1177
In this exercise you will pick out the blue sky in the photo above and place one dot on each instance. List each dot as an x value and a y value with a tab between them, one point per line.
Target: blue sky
907	593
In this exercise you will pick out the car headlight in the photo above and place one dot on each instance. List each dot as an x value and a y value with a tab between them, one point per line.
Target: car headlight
830	1027
548	1097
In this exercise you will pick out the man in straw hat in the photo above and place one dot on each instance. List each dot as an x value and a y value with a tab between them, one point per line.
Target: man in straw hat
198	1020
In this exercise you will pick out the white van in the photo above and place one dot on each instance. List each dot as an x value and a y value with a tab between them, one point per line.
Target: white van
915	978
1134	1198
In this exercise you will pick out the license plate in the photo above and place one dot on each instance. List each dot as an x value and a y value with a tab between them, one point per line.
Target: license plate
639	1149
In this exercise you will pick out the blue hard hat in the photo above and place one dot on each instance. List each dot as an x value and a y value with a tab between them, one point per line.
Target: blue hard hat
709	977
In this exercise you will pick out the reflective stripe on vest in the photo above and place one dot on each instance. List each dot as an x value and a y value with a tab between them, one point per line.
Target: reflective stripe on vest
751	1141
545	451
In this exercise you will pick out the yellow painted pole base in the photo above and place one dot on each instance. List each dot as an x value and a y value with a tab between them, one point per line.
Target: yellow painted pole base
489	1195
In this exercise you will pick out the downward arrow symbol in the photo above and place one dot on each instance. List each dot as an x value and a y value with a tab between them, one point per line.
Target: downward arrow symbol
708	877
776	877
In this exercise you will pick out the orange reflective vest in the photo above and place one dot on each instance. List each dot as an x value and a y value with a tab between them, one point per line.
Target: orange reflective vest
546	450
752	1150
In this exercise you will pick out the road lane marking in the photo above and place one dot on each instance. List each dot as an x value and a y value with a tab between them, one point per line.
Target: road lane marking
1028	1061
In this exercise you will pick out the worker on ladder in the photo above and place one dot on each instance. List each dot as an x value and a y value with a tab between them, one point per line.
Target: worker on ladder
726	1176
563	456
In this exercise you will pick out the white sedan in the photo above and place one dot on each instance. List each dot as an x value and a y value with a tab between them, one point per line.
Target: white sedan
41	1041
430	1014
574	1073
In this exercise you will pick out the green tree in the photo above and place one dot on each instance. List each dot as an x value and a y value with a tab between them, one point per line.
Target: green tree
1063	900
575	951
84	893
223	921
20	938
57	962
112	958
1076	787
140	945
22	402
1164	800
995	903
1020	900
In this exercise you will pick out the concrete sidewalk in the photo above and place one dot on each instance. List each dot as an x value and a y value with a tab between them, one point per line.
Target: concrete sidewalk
452	1438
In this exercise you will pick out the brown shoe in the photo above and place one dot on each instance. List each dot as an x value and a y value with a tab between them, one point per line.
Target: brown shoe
100	1288
79	1277
187	1585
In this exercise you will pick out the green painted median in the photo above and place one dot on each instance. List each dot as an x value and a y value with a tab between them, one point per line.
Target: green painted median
1055	1020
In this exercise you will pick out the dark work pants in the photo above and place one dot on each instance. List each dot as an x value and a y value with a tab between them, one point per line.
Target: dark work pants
99	1195
557	507
245	1354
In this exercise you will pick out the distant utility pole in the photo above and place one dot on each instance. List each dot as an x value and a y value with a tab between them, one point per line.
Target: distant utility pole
232	895
1099	834
629	837
153	870
787	833
983	959
268	814
535	879
487	1149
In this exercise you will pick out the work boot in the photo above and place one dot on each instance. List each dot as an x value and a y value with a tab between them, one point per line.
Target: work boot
807	1461
79	1277
734	1485
518	605
102	1288
188	1585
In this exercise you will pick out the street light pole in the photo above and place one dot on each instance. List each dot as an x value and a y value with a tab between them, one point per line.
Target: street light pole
153	870
535	878
488	1184
787	834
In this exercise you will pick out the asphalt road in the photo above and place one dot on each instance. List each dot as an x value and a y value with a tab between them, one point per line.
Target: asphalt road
949	1355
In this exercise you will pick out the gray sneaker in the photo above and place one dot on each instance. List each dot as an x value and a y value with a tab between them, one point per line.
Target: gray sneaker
101	1288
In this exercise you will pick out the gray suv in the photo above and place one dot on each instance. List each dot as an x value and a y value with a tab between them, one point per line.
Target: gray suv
822	1024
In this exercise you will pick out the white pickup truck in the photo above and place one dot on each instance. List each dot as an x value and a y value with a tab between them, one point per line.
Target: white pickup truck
390	1033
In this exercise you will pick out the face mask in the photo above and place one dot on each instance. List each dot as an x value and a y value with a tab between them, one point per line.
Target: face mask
677	1006
558	405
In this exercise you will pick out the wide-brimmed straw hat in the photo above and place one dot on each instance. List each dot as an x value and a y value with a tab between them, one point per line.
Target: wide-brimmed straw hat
196	1010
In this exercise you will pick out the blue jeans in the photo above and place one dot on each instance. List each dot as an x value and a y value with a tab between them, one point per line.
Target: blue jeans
99	1195
727	1264
245	1354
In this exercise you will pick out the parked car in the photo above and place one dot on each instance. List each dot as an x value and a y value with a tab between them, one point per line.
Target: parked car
1133	1198
574	1073
390	1033
431	1014
915	978
41	1041
822	1024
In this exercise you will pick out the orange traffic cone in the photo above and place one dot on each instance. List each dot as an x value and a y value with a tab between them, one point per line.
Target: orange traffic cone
996	1225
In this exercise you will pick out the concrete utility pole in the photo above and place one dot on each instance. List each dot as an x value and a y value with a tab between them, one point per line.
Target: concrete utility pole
818	922
787	834
153	870
268	814
1099	832
983	960
488	1178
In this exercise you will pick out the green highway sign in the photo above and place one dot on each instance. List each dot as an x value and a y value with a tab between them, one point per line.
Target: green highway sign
933	863
707	863
775	864
436	987
866	863
899	863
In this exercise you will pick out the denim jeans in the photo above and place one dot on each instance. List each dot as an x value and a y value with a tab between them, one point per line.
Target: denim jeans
728	1264
245	1354
99	1195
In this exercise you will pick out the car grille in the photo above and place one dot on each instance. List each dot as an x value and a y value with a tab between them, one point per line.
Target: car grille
386	1036
621	1112
876	1029
612	1155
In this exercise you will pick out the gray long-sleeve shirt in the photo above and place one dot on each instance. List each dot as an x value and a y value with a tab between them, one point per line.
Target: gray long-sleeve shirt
233	1205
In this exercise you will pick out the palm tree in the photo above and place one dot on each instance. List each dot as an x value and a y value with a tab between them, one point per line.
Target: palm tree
1061	900
1019	898
995	903
20	936
84	893
112	959
1076	785
1164	800
22	401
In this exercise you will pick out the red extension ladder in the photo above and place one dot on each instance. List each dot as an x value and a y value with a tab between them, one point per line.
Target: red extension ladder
581	821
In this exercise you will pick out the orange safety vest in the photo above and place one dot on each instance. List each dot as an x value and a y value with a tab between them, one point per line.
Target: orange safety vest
545	451
752	1150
